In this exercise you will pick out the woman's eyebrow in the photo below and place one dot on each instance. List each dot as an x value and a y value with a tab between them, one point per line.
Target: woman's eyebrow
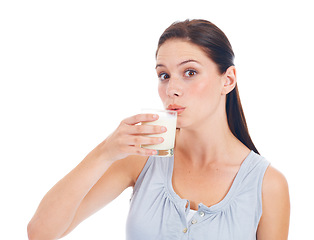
188	61
159	65
182	63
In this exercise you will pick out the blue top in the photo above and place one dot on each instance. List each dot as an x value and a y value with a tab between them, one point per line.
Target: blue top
157	212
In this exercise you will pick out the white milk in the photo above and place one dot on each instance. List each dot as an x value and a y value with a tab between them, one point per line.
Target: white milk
169	121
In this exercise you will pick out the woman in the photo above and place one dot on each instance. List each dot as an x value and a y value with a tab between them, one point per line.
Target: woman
216	186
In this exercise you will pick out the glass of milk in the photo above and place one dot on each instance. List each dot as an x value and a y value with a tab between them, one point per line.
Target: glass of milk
168	119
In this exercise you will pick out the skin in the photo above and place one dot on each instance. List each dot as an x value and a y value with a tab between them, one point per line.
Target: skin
214	155
206	152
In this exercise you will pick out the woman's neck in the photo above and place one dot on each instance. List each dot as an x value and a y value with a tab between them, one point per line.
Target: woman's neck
207	143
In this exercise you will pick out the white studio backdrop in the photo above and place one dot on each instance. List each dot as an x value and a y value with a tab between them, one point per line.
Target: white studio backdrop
70	71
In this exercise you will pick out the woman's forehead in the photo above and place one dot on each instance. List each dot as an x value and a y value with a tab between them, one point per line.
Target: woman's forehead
181	50
177	51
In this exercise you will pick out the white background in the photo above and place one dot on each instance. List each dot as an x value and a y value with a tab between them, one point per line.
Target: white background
70	71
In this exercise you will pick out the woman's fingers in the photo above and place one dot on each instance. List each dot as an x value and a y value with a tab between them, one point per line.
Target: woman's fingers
140	118
130	135
141	140
130	125
146	129
142	151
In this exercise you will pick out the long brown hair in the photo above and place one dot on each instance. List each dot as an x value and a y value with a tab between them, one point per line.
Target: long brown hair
218	48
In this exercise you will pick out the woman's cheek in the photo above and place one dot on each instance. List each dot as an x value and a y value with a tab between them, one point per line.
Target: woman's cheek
199	89
162	92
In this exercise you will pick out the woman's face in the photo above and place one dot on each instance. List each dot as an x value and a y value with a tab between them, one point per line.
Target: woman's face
189	82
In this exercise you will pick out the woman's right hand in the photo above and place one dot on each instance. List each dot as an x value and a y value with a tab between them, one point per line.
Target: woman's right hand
87	188
129	136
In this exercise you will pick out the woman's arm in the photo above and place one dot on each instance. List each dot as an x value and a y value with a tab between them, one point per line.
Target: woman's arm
103	174
274	223
117	178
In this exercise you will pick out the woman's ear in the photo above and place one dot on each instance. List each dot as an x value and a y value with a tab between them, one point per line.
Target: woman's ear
229	80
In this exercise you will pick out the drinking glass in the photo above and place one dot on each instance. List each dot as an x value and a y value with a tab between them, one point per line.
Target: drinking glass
168	119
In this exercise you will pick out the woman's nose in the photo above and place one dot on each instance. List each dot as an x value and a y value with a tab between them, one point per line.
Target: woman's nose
174	88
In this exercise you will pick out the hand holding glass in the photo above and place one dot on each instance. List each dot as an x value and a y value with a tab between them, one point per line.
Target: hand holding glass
167	119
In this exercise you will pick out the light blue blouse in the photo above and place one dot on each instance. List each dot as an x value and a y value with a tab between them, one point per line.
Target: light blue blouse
158	213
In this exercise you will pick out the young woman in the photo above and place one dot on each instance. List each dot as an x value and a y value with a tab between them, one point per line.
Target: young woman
216	186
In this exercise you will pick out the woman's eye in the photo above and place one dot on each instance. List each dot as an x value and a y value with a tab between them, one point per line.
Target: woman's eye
190	73
163	76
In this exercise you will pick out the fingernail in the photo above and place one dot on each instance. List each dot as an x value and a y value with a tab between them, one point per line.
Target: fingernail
160	139
155	116
164	129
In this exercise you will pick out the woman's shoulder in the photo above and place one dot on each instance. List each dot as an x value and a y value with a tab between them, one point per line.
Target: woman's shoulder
274	223
275	192
274	183
132	166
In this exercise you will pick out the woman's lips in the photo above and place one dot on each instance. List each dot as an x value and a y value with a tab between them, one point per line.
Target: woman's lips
177	108
179	111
